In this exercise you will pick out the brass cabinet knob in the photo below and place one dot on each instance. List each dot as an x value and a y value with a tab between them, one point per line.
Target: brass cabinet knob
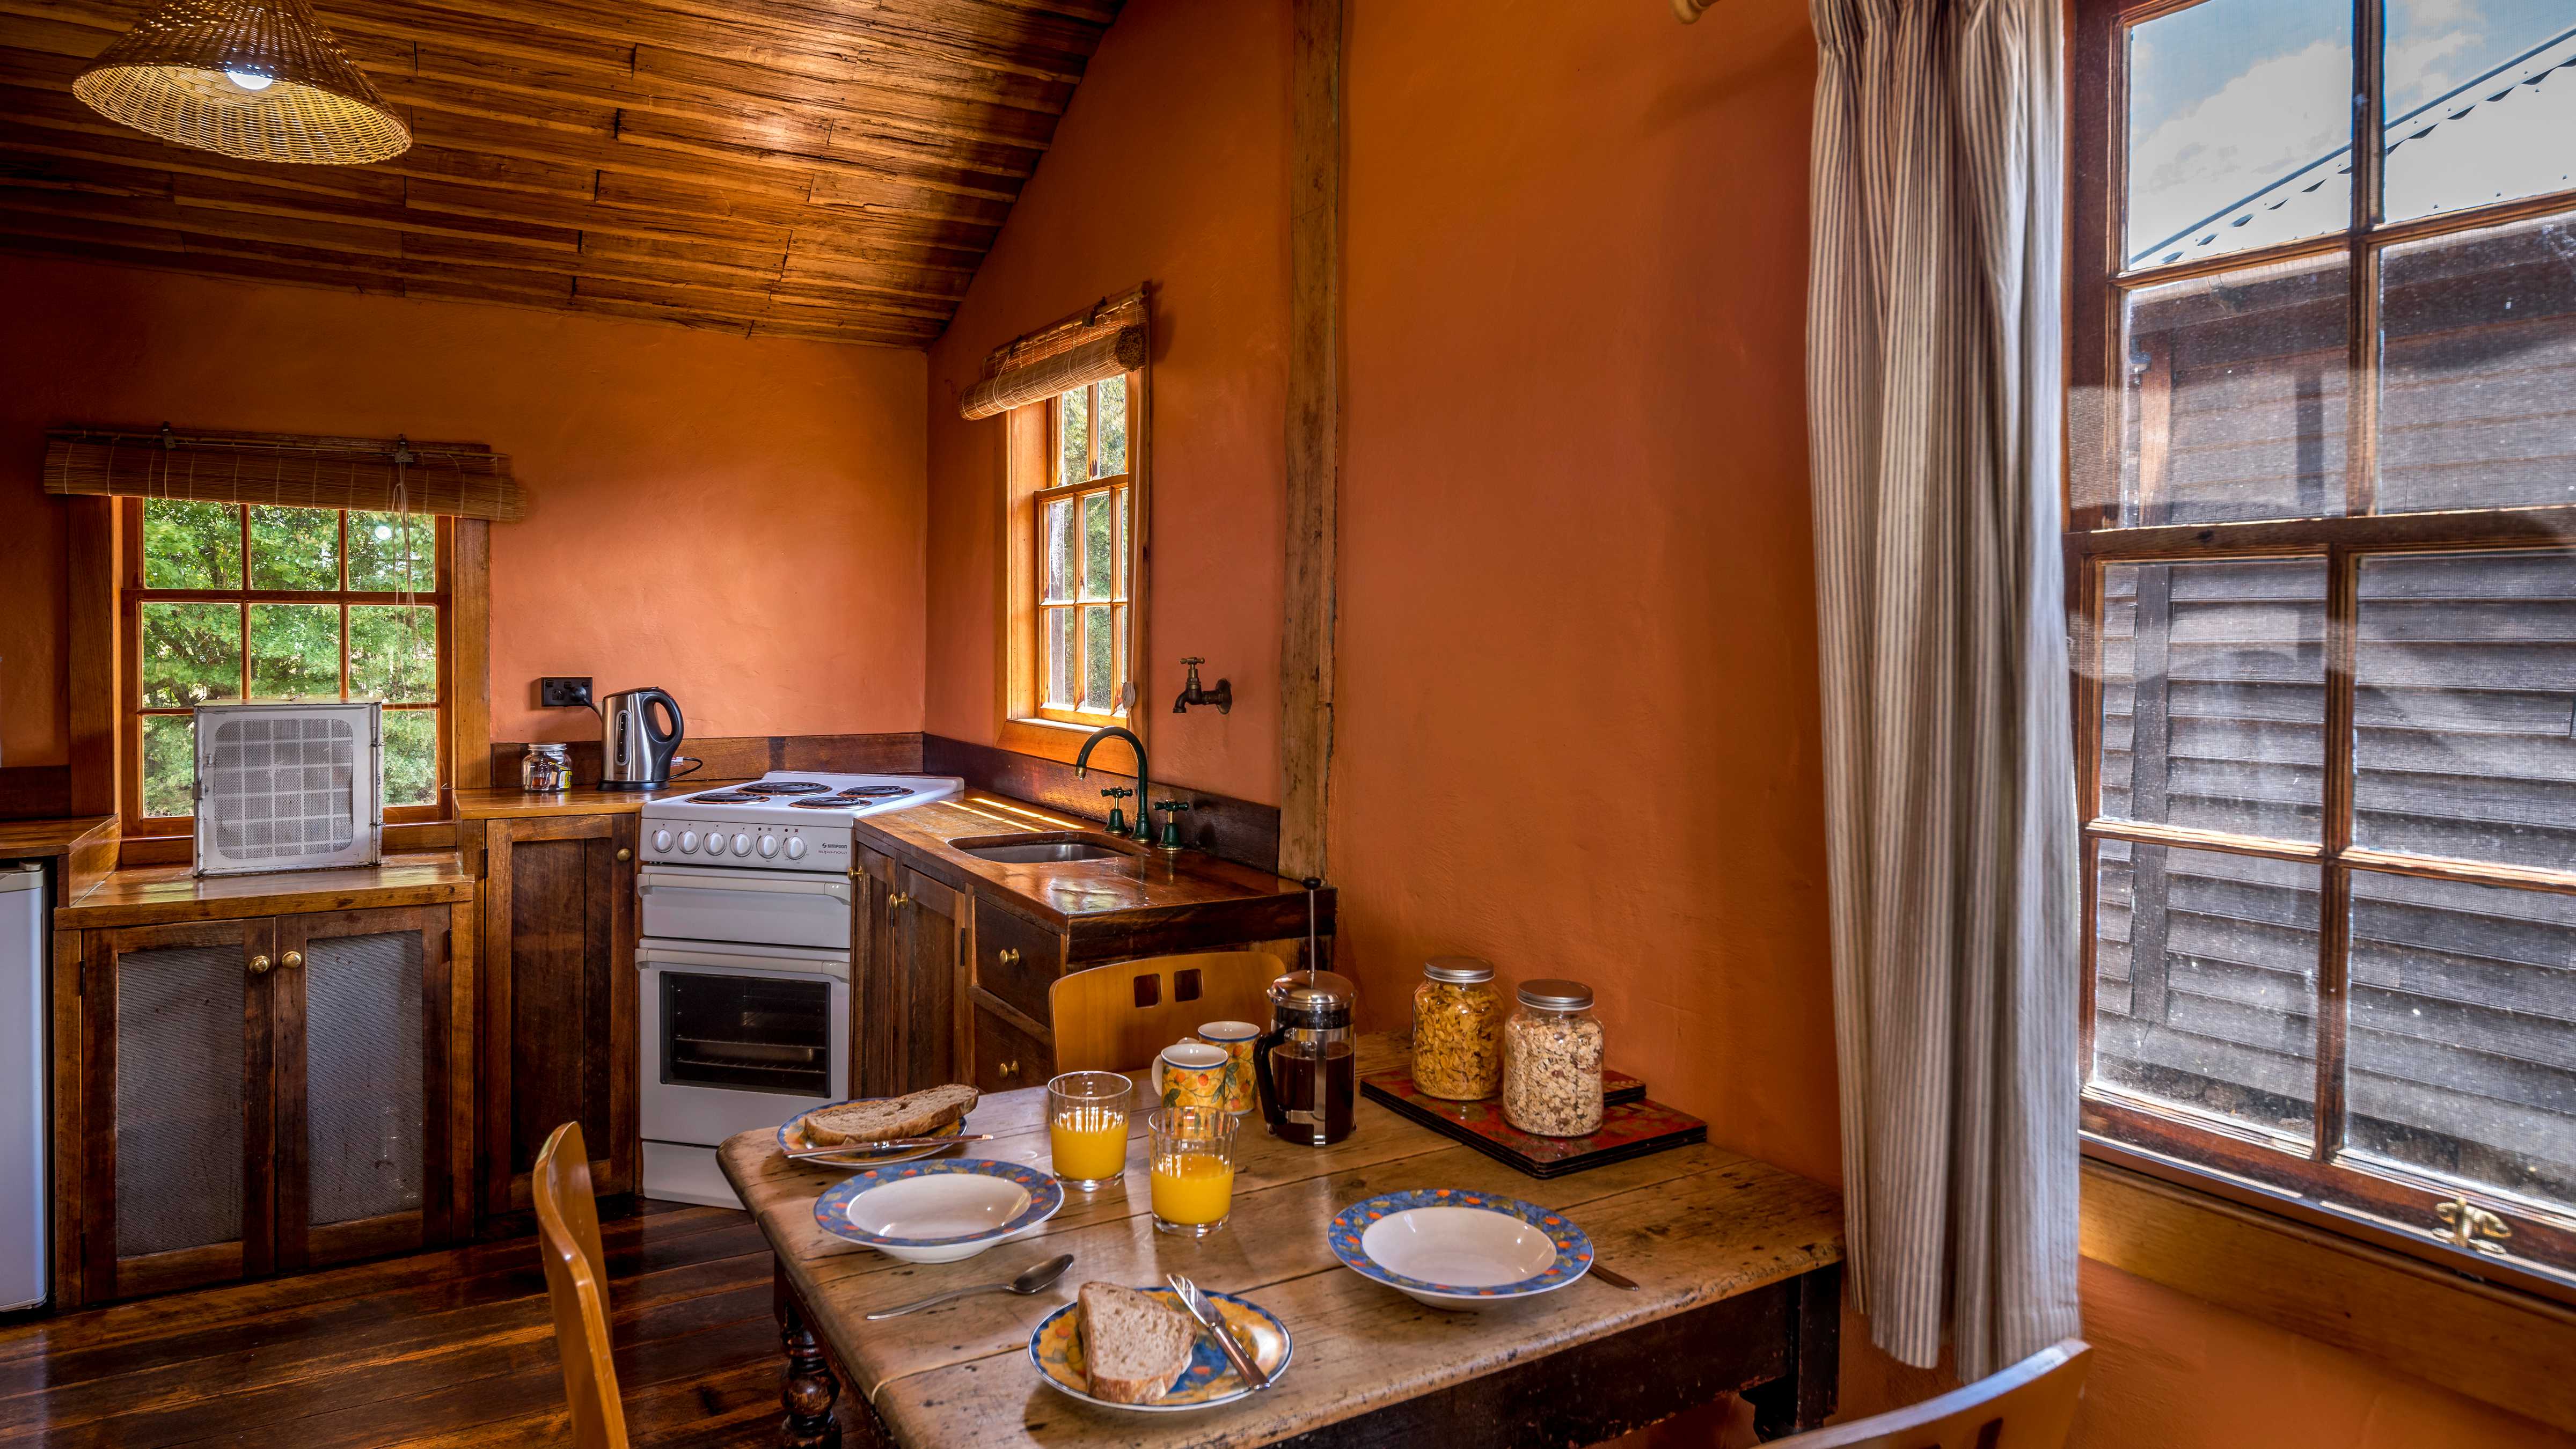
624	854
1009	1069
258	965
898	899
1010	956
291	960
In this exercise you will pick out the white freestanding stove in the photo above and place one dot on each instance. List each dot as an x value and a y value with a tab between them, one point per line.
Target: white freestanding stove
745	953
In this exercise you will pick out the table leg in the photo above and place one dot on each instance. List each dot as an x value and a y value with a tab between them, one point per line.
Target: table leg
810	1388
1804	1397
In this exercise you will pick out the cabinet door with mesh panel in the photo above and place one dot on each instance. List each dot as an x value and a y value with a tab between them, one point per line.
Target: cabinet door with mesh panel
178	1113
365	1012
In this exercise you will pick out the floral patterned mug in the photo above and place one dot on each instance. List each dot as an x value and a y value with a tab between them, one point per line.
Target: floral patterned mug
1192	1074
1235	1039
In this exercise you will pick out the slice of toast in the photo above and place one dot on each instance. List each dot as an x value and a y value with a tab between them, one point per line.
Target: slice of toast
1134	1347
917	1115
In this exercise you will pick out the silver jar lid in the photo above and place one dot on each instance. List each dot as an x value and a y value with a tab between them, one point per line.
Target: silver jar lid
1556	995
1463	970
549	751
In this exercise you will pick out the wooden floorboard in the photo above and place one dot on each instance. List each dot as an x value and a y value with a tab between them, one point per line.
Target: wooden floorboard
446	1350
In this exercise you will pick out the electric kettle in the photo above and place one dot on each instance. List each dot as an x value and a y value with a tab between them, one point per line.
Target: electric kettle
635	751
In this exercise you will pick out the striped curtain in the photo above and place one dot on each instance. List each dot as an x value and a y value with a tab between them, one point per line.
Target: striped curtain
1933	382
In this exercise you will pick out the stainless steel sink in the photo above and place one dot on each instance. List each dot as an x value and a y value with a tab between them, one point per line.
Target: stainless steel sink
1063	849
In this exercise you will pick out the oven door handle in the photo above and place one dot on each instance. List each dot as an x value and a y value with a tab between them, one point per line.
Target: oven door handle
809	885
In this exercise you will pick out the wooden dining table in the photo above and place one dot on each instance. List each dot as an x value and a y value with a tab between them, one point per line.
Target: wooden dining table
1737	1265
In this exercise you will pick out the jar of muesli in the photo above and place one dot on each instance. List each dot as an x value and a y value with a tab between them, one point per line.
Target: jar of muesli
1457	1030
1552	1061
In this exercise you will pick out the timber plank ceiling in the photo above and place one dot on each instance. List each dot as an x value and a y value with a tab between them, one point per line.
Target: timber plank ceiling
831	169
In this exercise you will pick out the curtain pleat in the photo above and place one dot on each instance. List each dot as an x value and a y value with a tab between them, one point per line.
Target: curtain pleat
1933	386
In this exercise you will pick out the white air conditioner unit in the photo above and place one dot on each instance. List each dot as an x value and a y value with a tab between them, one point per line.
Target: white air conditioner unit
289	786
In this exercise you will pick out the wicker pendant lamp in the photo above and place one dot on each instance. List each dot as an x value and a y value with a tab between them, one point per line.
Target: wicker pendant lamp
257	79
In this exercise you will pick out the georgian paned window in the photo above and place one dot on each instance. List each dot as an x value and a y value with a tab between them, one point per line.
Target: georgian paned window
1083	644
224	601
2322	554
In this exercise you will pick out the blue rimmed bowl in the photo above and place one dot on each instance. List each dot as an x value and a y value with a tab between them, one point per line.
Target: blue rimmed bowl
938	1212
1451	1248
1055	1348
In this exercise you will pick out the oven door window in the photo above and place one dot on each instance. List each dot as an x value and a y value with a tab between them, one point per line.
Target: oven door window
748	1033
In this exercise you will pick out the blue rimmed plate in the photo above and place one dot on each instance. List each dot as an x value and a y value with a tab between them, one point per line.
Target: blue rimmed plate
938	1212
1452	1248
1056	1349
792	1138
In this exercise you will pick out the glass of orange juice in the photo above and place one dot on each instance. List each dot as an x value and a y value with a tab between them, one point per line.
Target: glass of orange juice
1189	1155
1087	1128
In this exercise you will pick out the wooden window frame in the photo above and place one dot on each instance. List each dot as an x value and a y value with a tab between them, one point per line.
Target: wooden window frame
1027	724
2386	1204
105	577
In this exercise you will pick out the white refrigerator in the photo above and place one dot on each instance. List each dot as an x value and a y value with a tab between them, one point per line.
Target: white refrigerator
22	1086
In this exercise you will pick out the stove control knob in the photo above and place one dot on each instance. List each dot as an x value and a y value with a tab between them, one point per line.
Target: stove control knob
688	842
768	846
796	847
741	844
661	840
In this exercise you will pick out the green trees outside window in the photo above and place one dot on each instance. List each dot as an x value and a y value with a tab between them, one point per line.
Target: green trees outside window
268	603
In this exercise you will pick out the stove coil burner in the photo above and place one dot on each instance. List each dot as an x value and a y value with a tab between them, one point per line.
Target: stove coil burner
723	797
786	787
876	792
827	802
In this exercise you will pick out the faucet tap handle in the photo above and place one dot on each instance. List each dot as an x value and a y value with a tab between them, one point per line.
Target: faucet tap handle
1171	822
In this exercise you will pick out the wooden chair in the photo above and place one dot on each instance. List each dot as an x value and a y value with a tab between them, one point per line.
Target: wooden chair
2028	1406
1116	1018
577	1284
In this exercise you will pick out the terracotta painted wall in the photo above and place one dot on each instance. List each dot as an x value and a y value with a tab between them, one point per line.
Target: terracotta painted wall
1578	726
1170	167
740	522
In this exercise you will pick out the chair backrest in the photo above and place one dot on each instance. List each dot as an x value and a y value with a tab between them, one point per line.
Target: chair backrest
1115	1018
2028	1406
577	1285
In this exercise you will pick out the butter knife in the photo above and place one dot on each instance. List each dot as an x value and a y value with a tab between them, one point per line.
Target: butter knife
1205	1312
891	1144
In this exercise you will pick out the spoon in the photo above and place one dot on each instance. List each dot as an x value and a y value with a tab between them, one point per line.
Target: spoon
1036	1279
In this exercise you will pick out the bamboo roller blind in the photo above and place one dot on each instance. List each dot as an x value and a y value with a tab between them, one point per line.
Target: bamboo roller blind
467	480
1102	341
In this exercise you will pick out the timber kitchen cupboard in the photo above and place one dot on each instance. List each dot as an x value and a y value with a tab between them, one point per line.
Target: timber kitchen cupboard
242	1094
559	1013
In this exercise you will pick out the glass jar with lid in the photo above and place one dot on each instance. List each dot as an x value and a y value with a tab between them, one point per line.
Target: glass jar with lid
546	768
1552	1061
1457	1030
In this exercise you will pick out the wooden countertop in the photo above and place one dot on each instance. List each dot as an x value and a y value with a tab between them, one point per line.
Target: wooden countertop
1695	1227
1116	905
1111	908
587	800
29	839
160	894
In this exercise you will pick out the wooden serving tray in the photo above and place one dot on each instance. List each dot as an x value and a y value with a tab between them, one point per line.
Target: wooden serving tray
1631	1126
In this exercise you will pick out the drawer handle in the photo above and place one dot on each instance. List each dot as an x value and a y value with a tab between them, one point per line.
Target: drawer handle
291	960
1009	1068
258	965
898	899
1010	956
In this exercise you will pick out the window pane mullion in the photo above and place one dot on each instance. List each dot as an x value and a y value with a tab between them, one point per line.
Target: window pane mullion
2334	906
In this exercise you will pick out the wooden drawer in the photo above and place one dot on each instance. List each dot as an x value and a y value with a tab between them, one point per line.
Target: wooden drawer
1006	1057
1016	961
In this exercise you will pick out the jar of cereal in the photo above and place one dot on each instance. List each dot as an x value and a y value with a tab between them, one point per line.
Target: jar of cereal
1457	1030
1552	1061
